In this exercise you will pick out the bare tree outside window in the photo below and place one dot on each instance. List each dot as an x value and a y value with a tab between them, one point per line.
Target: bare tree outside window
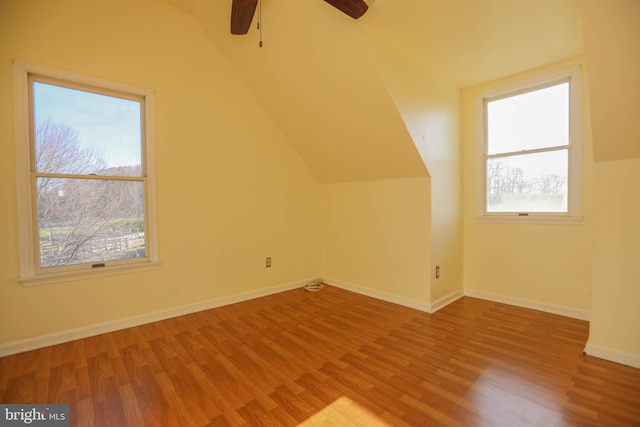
521	183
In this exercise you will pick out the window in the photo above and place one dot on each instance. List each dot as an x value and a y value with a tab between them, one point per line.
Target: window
85	174
529	151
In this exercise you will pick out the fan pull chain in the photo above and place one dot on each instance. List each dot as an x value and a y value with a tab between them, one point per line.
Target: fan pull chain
260	21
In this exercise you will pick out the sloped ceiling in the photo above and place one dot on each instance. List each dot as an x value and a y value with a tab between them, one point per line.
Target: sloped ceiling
472	42
315	79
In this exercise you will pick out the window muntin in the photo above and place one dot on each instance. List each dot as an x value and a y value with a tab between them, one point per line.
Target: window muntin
529	155
115	179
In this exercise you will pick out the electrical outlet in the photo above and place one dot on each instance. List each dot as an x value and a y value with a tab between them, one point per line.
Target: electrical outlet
268	263
437	271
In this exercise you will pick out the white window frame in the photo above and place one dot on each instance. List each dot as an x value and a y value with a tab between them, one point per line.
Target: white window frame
30	274
574	205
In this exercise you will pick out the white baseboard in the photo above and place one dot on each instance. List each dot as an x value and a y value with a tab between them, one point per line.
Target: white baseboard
612	355
446	300
20	346
535	305
384	296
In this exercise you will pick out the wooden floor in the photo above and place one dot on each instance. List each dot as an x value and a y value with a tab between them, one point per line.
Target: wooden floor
333	358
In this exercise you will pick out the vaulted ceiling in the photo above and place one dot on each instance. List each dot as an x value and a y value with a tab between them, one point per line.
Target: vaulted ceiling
315	77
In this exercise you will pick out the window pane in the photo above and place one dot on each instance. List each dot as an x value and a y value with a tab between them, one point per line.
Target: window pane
528	183
80	132
532	120
87	221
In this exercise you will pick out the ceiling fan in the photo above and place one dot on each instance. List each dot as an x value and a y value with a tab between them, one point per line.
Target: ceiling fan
242	12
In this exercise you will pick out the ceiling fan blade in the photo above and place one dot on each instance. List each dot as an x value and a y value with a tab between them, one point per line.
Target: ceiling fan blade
353	8
242	12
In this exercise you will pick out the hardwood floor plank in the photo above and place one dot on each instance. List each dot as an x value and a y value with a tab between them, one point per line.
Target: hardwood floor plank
486	404
148	399
271	373
107	407
131	406
20	389
228	412
298	406
319	388
83	383
84	414
175	402
333	358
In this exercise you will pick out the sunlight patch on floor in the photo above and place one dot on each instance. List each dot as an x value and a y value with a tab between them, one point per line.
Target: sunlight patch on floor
344	412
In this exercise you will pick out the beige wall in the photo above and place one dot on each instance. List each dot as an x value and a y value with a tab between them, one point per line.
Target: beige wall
441	149
546	264
376	235
612	45
612	40
616	271
231	189
430	108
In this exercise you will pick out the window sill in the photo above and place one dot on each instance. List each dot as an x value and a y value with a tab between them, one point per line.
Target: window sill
531	219
68	276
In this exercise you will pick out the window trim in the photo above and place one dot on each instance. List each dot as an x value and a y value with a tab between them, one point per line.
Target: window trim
29	272
574	203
